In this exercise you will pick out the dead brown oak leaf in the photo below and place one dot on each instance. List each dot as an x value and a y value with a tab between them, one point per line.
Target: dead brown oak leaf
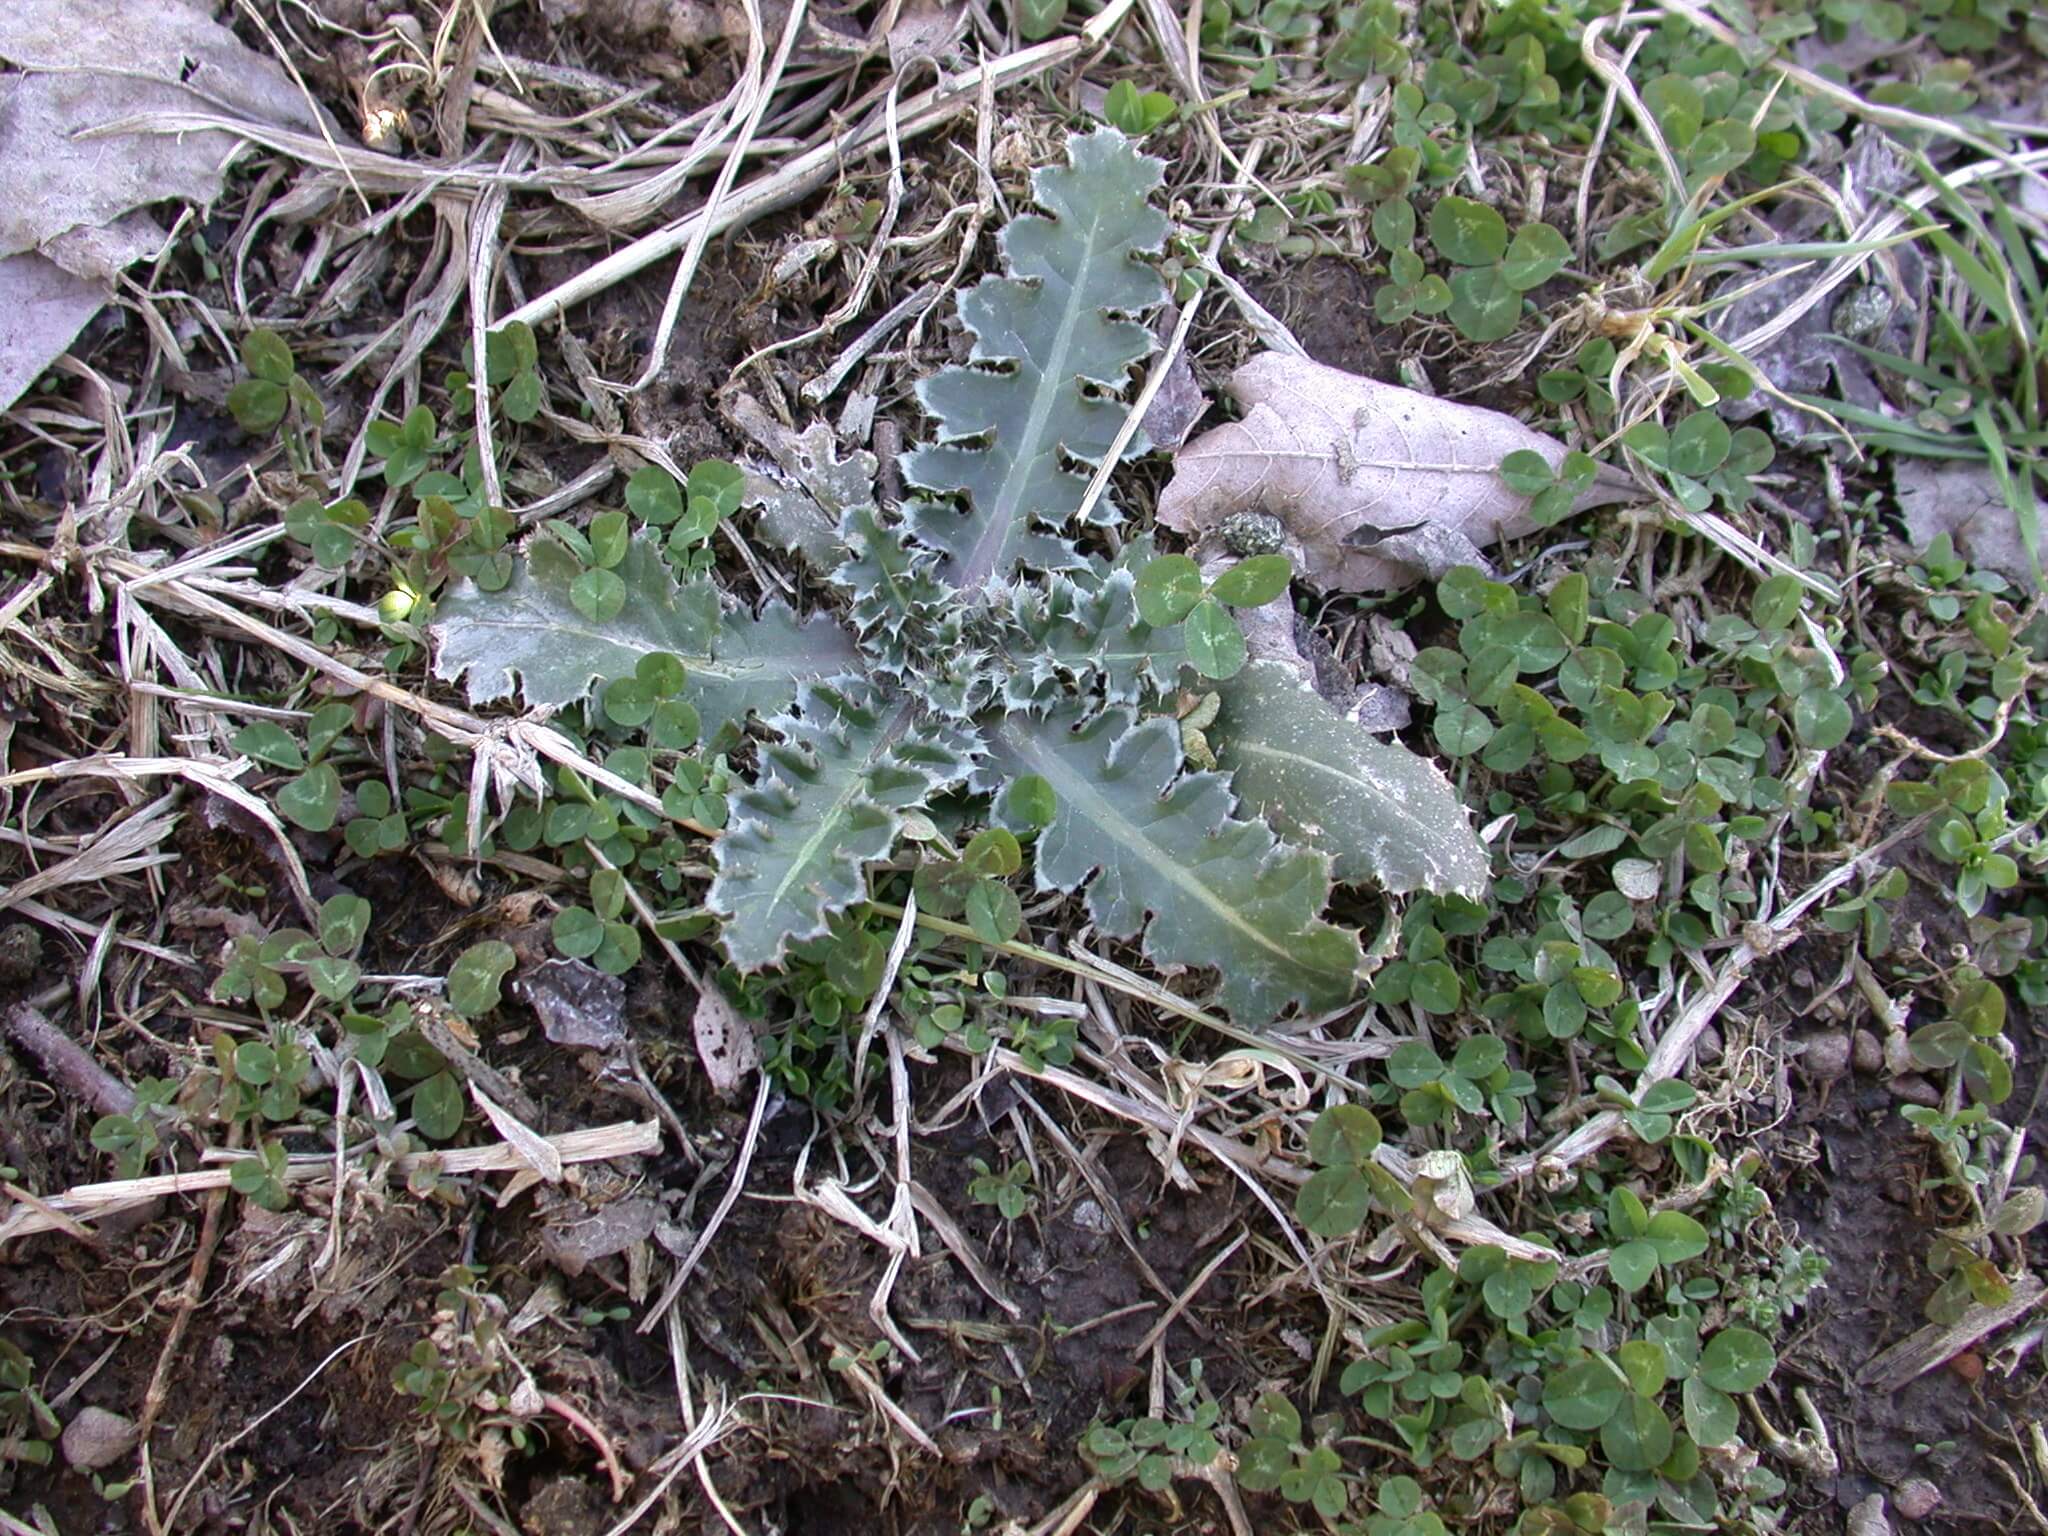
84	87
1377	486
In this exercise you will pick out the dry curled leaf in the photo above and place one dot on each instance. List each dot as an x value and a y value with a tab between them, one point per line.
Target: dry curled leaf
578	1005
576	1236
1180	403
925	29
1376	485
725	1042
1965	501
42	309
84	87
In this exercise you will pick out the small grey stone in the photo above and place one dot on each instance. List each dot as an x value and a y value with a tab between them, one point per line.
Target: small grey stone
1867	1518
1379	708
1252	533
1089	1217
1915	1089
1867	1051
96	1438
1916	1499
1827	1055
1862	312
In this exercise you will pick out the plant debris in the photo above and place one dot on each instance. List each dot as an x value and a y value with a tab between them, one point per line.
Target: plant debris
102	113
1392	967
1966	502
1378	486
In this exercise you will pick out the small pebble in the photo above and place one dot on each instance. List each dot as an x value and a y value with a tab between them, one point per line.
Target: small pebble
1867	1518
1827	1055
1916	1500
1867	1051
1915	1089
1090	1217
97	1438
1969	1365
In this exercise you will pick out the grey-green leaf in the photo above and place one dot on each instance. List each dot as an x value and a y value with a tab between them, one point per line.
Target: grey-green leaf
1710	1416
533	634
1467	232
895	595
1536	255
1008	432
1638	1437
808	489
473	980
1068	632
1382	813
1164	855
1737	1360
829	801
1584	1394
1215	644
312	799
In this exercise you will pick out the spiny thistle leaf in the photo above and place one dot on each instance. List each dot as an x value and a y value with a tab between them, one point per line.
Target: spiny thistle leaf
1012	421
896	598
1068	631
533	635
1163	844
801	496
828	802
1378	810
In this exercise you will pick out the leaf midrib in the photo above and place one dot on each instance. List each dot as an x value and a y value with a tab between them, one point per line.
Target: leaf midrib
702	665
1252	748
992	547
1331	456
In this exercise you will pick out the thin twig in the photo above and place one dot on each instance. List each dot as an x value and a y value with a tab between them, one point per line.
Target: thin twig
69	1064
158	1394
574	1416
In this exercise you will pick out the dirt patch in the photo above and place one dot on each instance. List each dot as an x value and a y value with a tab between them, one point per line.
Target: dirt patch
1866	1205
1004	1394
1327	303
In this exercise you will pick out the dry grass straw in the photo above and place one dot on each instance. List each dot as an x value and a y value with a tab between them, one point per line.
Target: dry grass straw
91	1201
